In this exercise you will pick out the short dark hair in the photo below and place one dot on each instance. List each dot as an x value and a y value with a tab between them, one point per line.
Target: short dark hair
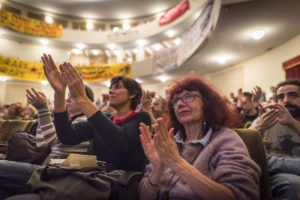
133	88
89	93
288	82
248	95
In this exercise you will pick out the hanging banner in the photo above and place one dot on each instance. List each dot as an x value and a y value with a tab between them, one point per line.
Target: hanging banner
28	25
190	41
33	71
174	12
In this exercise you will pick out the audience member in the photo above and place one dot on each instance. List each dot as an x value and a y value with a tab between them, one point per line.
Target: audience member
30	112
280	129
46	134
205	154
15	111
115	140
156	107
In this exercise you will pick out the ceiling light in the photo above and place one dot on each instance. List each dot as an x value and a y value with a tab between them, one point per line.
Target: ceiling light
44	83
222	59
76	51
49	19
89	26
157	47
258	34
129	59
142	42
177	41
135	51
115	29
80	46
163	79
112	46
3	78
170	33
95	52
116	52
44	42
126	26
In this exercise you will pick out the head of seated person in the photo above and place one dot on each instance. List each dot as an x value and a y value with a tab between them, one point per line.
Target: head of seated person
124	92
159	107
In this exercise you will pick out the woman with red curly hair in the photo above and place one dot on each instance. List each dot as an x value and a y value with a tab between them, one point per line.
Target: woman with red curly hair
207	160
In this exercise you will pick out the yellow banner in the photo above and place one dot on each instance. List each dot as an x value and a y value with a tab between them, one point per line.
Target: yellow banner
33	71
28	25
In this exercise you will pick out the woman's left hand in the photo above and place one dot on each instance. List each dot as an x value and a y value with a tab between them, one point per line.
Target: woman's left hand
73	80
165	144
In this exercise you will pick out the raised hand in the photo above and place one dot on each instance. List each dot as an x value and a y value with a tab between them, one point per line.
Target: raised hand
165	144
149	146
53	75
36	98
267	119
73	80
146	100
284	115
256	95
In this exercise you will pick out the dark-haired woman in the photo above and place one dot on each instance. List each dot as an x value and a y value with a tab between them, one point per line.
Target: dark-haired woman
207	160
115	139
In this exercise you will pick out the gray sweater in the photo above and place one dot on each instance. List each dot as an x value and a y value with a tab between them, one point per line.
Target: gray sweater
225	159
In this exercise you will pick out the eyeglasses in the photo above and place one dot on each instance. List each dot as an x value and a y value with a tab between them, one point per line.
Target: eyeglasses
187	98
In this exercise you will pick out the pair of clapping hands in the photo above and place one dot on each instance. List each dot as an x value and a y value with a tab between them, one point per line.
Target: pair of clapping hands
67	76
271	114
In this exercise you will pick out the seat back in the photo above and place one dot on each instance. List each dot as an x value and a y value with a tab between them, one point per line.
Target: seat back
12	126
253	141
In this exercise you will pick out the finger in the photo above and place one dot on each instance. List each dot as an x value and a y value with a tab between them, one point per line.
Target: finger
162	129
260	111
42	94
146	132
51	62
171	133
35	92
29	93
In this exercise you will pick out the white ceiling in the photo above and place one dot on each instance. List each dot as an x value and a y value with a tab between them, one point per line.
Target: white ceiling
279	18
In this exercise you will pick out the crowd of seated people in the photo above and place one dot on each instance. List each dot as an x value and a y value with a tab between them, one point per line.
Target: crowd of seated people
191	150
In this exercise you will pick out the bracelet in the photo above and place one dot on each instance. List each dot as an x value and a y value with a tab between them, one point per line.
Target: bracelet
153	185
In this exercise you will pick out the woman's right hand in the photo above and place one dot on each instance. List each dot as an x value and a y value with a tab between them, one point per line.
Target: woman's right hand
149	147
53	75
36	98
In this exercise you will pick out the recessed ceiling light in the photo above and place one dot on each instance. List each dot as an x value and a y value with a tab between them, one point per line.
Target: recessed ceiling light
112	46
3	78
80	46
95	52
76	51
222	59
177	41
126	26
89	26
49	19
44	42
115	29
141	42
116	52
157	47
170	33
163	78
258	34
44	83
129	59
